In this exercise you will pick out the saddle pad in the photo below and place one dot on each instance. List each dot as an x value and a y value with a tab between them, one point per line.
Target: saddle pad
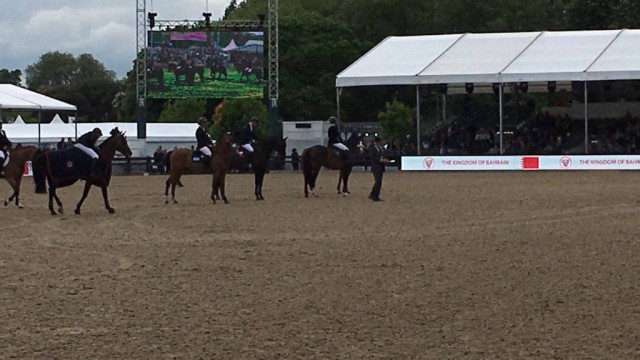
69	163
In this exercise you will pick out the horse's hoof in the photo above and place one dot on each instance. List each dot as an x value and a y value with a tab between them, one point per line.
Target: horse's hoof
20	206
226	201
6	203
112	211
77	211
345	194
53	213
166	201
61	210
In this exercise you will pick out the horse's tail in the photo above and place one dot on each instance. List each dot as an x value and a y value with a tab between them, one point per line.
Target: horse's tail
40	173
306	169
167	161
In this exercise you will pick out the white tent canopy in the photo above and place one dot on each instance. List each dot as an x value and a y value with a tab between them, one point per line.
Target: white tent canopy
17	98
57	120
498	57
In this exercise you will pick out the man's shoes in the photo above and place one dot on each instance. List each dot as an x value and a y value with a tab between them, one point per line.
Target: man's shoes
375	199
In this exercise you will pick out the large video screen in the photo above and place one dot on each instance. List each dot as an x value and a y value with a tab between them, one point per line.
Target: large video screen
205	64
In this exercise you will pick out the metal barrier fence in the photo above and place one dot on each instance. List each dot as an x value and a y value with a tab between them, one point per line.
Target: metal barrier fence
147	165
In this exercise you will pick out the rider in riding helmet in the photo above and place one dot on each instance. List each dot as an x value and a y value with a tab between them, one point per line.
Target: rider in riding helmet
204	140
249	136
87	143
335	139
5	145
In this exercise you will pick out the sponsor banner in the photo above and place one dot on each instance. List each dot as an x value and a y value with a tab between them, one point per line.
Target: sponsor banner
28	169
530	163
459	163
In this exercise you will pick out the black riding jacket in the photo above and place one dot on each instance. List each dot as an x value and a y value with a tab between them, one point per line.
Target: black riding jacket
4	141
203	138
334	135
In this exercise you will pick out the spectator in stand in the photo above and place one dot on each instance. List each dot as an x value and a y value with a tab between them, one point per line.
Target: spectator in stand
159	157
295	159
61	144
70	142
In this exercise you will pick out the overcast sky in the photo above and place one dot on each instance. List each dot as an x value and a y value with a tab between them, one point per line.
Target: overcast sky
104	28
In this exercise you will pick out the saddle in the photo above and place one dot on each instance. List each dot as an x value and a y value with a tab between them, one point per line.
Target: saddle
199	157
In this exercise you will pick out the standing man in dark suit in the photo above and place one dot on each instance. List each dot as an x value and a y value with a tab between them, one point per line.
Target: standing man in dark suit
377	167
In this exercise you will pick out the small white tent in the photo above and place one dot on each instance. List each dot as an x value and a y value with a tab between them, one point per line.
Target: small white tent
19	120
57	120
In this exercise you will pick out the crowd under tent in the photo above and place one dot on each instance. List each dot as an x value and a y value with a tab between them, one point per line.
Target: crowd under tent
498	59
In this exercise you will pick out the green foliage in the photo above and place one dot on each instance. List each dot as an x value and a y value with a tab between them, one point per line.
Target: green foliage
10	77
183	110
235	113
396	120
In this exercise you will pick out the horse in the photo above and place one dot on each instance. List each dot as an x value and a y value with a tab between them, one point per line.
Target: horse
188	70
219	166
44	172
179	162
216	67
316	157
260	160
15	169
247	71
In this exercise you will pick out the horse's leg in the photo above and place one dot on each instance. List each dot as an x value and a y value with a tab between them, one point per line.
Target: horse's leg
17	193
85	193
260	183
59	202
339	182
105	196
222	188
345	179
256	183
173	180
52	194
12	183
214	188
314	177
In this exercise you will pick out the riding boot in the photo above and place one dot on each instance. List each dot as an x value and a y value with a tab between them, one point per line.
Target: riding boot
95	167
206	159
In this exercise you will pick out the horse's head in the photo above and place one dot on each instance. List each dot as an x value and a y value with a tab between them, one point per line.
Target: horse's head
281	147
118	142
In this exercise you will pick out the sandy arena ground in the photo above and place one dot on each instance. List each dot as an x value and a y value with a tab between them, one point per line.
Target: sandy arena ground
450	266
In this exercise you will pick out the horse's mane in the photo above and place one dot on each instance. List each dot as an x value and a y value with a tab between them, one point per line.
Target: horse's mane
115	132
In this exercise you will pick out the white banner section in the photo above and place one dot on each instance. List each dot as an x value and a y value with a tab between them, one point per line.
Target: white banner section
503	163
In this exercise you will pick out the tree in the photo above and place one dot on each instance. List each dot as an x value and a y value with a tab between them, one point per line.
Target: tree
52	69
233	114
10	77
396	121
183	110
230	9
82	81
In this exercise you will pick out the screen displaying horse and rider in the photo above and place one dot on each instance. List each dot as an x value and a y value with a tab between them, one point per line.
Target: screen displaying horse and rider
205	64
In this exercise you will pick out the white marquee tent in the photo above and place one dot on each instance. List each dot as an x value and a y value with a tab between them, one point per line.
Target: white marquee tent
16	98
498	58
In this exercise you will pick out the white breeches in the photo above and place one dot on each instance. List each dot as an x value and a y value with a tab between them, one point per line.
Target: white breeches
88	151
340	146
248	147
4	161
205	151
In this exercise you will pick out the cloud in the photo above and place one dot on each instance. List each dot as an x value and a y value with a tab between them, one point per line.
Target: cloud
105	29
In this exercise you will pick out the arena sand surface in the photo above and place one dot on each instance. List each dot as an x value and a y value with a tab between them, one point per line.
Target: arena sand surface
450	266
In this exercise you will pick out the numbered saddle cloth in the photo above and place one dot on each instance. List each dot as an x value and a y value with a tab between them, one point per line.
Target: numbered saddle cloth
69	163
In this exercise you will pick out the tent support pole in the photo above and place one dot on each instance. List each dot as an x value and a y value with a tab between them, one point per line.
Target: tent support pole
418	119
338	93
444	108
501	120
75	122
586	119
39	122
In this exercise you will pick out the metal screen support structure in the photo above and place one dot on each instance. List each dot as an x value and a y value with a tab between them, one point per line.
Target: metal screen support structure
141	68
586	119
500	94
418	119
274	71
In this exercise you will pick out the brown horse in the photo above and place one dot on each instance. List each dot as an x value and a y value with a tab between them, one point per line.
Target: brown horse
219	166
179	162
15	169
316	157
43	171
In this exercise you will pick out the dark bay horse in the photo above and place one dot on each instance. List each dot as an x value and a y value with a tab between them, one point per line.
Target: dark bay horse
260	160
45	171
314	158
179	163
15	169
